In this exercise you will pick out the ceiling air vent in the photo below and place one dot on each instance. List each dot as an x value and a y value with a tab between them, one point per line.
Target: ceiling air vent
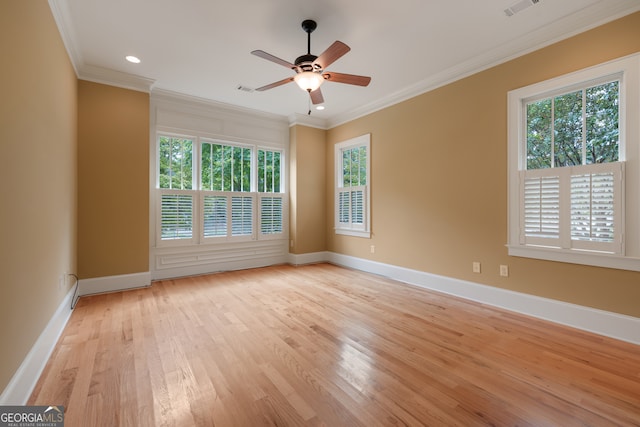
520	6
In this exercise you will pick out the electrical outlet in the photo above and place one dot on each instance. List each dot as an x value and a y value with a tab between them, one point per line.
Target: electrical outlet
476	267
373	249
62	281
504	270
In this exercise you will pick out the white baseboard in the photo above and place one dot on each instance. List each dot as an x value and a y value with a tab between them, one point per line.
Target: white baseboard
24	380
310	258
100	285
614	325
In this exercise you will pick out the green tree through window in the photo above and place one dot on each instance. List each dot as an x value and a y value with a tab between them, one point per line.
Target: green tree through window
576	128
176	163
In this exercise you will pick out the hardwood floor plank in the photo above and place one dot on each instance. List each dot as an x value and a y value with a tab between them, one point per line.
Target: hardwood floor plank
321	345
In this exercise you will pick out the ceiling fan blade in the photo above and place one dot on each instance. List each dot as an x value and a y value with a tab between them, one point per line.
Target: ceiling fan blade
264	55
333	53
275	84
316	97
350	79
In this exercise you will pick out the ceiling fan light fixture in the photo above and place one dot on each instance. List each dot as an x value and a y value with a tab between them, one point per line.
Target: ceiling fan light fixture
308	80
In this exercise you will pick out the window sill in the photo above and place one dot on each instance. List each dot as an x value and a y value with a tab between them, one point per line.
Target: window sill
576	257
354	233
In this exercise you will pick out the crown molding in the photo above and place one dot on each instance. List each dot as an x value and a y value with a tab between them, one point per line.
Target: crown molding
307	120
158	94
561	29
116	78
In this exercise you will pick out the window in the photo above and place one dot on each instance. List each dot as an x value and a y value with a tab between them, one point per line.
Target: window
175	178
271	204
352	205
217	191
572	193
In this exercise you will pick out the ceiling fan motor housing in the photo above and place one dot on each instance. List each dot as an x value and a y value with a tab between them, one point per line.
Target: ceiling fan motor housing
305	63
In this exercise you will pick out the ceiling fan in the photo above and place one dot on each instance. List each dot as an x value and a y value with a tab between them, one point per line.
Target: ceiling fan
310	69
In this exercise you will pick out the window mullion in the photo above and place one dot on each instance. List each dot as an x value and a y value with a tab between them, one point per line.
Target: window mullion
553	132
196	186
584	126
273	172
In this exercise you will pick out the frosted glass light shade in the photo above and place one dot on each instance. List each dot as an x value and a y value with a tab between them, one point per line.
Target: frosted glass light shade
308	80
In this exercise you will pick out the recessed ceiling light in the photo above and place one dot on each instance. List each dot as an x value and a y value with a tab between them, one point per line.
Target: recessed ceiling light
132	59
320	107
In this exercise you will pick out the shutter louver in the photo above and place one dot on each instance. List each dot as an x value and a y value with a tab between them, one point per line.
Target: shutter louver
176	216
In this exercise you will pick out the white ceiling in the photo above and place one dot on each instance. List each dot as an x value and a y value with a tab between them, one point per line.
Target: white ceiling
202	48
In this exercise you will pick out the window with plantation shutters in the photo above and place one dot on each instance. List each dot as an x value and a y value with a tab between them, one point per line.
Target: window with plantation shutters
352	187
214	191
572	142
175	180
271	198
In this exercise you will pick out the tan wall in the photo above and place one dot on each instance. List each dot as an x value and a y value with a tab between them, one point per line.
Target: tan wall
439	179
113	181
38	193
307	167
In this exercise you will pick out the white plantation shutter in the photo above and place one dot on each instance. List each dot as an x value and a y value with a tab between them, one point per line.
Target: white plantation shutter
271	214
229	216
596	205
351	208
357	206
241	215
344	206
577	207
215	216
541	207
176	216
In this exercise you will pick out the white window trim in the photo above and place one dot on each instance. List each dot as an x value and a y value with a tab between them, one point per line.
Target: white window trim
628	69
363	230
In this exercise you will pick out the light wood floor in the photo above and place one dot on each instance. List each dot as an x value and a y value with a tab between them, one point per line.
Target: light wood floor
324	346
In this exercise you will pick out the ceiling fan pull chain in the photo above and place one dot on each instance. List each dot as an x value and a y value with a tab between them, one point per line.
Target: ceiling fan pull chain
309	103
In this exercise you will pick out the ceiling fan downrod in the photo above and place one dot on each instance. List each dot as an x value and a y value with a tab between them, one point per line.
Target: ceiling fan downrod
309	25
305	61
